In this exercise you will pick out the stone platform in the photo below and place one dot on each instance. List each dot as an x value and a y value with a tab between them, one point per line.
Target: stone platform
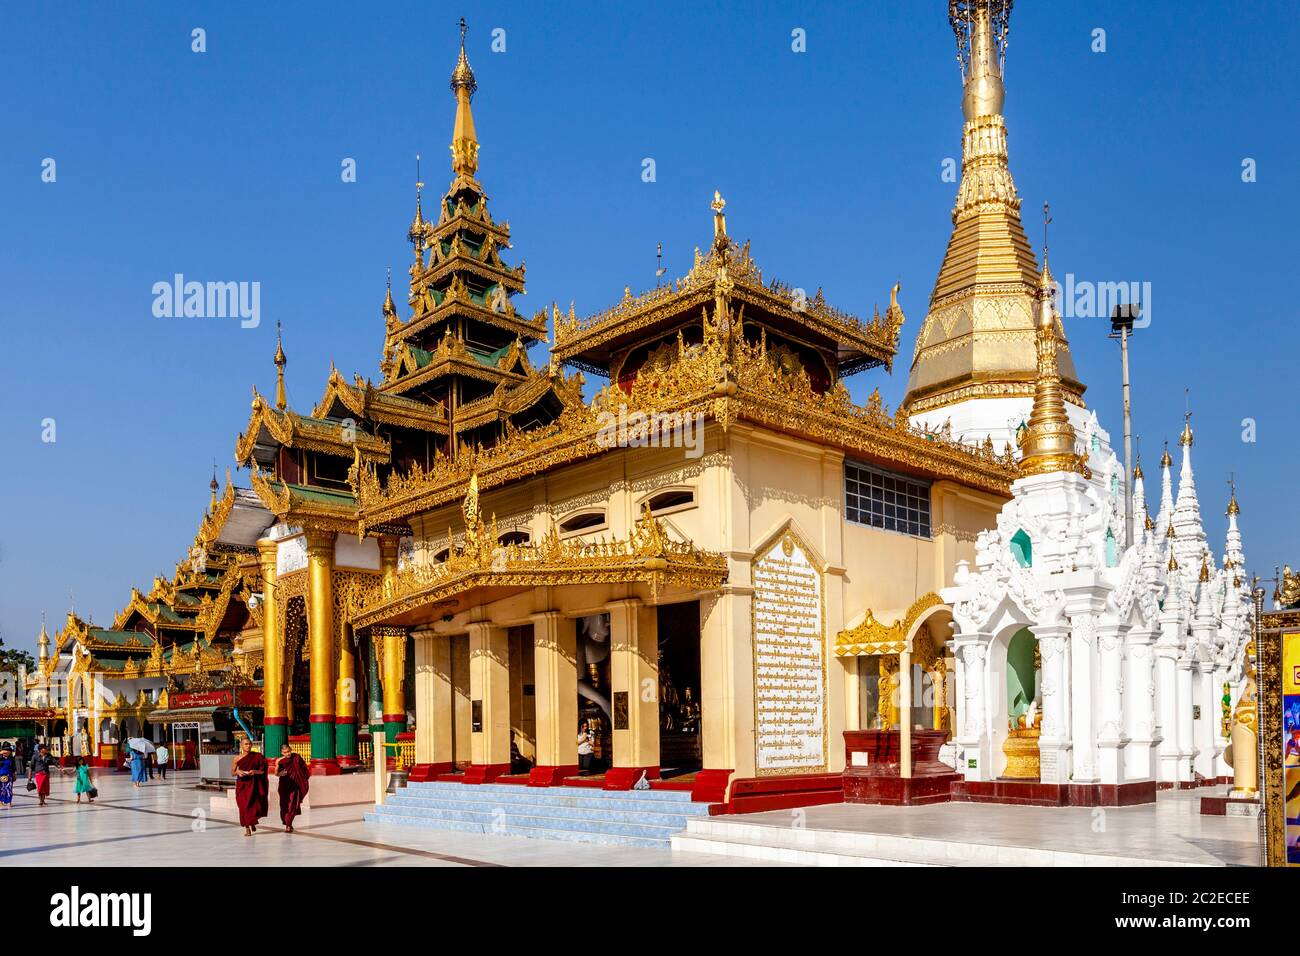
1169	832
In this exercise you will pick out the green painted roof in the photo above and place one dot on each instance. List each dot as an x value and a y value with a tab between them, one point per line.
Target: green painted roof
103	635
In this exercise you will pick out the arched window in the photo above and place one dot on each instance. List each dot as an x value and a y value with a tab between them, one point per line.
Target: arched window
667	500
582	521
442	555
1021	549
514	537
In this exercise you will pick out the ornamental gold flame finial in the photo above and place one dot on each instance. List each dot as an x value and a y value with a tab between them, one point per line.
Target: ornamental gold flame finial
1233	508
281	401
1205	569
1186	439
464	141
1165	460
1048	439
981	28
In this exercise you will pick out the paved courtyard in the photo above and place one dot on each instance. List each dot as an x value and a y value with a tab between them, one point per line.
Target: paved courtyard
171	824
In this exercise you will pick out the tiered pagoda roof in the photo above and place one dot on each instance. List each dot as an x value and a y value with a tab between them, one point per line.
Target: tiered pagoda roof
603	343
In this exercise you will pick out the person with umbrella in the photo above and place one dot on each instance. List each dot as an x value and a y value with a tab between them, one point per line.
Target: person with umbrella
138	773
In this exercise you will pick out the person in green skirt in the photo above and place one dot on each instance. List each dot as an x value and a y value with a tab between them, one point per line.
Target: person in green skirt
83	784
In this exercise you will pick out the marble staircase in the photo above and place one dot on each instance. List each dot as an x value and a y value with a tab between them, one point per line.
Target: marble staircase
646	818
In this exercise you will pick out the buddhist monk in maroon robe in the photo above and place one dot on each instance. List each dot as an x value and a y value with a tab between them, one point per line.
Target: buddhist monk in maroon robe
250	786
292	771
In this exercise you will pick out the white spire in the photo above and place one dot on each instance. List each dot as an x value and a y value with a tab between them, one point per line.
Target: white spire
1166	514
1189	545
1233	550
1139	504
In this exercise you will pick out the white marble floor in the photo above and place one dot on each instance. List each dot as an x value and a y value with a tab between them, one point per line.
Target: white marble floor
170	824
1172	830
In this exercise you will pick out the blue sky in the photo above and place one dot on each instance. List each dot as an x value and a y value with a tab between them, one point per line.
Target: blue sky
226	165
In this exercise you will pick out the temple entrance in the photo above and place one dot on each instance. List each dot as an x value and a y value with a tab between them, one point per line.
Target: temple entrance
680	739
298	676
594	689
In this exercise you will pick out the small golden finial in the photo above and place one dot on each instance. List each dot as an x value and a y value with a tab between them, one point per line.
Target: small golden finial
281	402
1205	569
1170	533
1233	507
1185	439
1047	441
213	485
390	309
464	141
719	219
1173	563
1149	525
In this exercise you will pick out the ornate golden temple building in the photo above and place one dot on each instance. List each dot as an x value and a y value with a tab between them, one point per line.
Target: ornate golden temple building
713	560
702	562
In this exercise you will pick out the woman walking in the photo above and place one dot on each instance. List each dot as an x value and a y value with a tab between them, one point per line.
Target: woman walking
137	769
83	784
8	770
39	772
250	786
292	771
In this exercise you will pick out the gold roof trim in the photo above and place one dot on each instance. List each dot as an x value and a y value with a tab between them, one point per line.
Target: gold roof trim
871	638
294	431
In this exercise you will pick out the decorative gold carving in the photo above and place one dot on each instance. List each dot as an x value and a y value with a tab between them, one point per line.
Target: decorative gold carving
871	638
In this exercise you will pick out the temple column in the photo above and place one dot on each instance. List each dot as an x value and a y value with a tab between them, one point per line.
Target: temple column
634	683
1183	720
434	724
973	737
489	691
320	637
1053	741
390	650
345	701
275	720
374	688
555	677
1111	739
905	714
1207	726
389	546
1166	666
1139	710
1083	681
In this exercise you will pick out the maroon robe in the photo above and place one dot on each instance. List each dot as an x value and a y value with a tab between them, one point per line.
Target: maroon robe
292	771
251	791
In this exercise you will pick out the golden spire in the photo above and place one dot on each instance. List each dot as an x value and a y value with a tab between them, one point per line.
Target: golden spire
1205	570
1186	439
1173	563
1171	533
1149	525
212	509
44	641
1047	443
280	362
1165	460
464	141
1233	507
1137	470
983	92
390	309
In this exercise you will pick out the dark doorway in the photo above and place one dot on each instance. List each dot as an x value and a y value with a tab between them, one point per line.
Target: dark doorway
680	739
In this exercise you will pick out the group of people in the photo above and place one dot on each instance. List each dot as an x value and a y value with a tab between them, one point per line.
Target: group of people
252	789
143	765
39	769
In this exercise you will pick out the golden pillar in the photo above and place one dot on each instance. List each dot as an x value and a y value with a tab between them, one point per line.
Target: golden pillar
390	648
275	717
555	681
489	689
320	637
634	682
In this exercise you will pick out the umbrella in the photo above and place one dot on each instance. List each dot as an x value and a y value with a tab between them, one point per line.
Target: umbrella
142	745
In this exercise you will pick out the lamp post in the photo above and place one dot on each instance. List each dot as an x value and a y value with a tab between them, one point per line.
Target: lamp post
1121	327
